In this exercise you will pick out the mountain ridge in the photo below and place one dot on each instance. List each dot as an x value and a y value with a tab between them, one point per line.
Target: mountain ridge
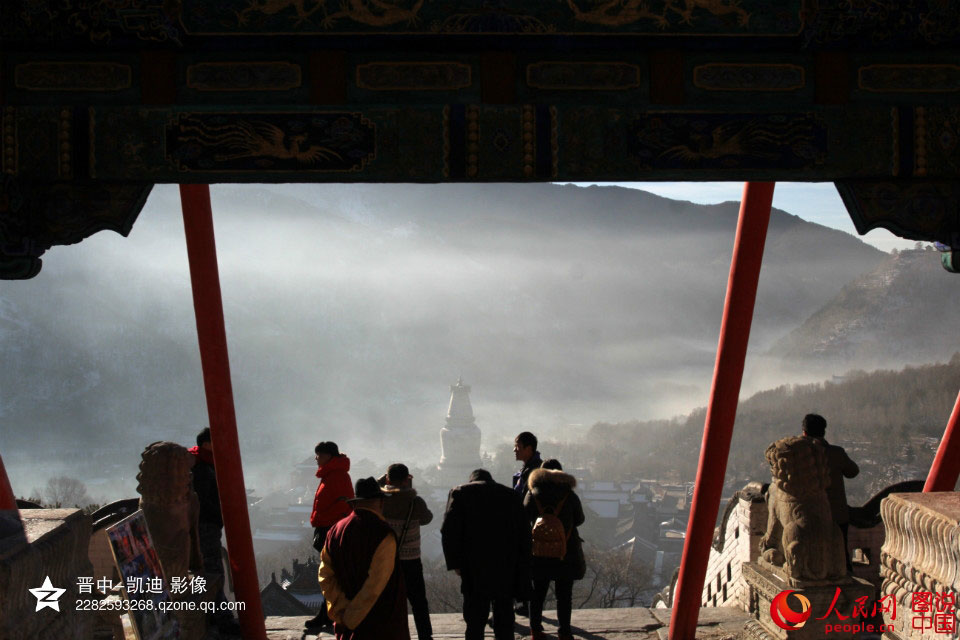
893	313
348	317
889	421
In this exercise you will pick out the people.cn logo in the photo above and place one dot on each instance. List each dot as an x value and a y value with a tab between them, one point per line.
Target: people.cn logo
785	617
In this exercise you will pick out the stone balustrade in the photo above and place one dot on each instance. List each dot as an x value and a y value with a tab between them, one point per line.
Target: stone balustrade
921	553
737	541
55	547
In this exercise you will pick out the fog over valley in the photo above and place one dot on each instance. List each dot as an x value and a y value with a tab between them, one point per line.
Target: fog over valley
351	308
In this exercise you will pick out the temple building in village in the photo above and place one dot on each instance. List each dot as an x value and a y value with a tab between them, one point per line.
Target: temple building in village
459	438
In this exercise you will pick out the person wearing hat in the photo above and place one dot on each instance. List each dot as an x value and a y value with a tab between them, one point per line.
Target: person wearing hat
359	575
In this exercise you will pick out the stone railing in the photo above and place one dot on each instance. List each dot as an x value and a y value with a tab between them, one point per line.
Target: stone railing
736	541
921	553
866	532
55	547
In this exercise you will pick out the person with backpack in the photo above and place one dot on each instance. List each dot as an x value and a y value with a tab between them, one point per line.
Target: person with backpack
555	512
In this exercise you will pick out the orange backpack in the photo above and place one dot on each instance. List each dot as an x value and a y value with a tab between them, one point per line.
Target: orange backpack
549	536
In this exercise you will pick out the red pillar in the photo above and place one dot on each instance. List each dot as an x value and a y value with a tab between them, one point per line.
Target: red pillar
946	465
208	307
7	500
722	409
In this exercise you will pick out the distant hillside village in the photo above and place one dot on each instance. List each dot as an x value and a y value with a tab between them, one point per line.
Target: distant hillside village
638	523
633	478
637	502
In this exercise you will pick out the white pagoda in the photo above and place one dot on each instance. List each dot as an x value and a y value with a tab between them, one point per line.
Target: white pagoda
459	439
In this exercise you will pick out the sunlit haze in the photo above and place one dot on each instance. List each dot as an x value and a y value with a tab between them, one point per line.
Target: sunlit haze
350	309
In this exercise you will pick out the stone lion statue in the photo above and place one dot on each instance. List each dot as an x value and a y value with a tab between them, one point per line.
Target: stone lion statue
172	509
802	539
170	506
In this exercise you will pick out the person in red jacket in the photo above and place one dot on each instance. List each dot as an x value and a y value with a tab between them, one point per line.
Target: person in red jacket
329	504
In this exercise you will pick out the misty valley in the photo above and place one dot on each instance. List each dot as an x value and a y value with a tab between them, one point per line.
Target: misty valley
586	315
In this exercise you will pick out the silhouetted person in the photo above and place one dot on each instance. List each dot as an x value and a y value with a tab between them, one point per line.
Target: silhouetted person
359	576
841	466
210	523
486	540
525	450
330	504
211	519
406	512
558	560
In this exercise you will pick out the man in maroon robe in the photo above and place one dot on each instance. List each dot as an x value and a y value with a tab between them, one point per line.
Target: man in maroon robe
359	575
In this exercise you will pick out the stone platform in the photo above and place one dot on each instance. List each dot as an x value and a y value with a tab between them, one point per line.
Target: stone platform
720	623
766	584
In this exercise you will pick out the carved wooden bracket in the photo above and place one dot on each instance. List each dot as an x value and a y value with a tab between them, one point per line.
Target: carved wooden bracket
35	216
915	209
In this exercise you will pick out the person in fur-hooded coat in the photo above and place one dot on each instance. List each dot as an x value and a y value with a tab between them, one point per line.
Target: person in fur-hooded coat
548	486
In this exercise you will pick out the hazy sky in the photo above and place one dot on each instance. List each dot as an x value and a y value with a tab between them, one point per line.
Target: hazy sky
813	201
350	312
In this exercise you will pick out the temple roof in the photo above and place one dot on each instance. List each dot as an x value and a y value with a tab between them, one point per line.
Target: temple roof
277	601
305	582
201	91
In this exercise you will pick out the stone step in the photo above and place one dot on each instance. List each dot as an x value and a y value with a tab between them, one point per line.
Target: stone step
719	623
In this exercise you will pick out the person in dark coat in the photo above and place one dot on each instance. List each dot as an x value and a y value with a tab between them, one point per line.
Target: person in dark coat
841	466
211	519
210	523
525	450
330	504
549	486
359	575
406	512
486	540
